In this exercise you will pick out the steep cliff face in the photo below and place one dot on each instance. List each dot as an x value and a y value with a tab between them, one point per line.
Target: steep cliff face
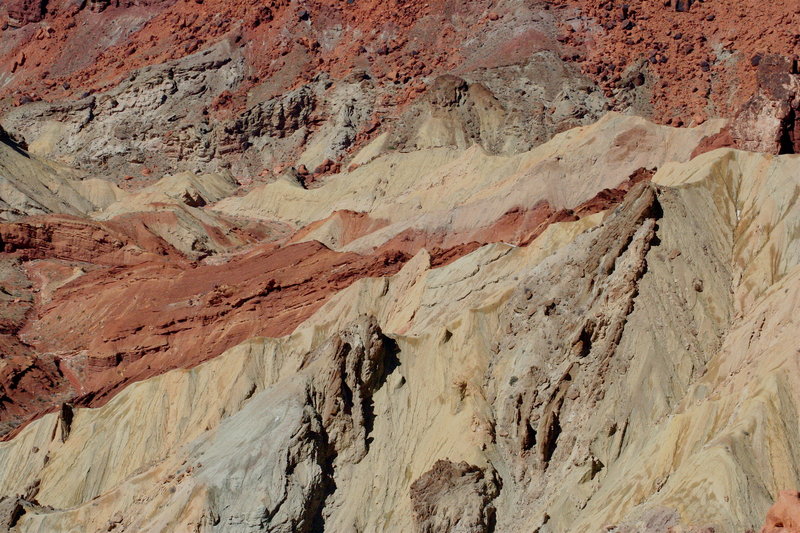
399	266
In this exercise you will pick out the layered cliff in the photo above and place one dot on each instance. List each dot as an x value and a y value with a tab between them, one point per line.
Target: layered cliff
638	354
399	266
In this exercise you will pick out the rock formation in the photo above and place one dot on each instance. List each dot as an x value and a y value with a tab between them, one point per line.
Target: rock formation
399	266
783	516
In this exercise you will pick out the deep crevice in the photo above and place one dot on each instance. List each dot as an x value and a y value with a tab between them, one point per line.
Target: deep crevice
551	438
327	485
391	362
16	514
788	141
529	438
585	340
65	419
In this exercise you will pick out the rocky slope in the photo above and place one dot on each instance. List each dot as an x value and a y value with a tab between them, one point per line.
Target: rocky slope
639	355
398	266
141	88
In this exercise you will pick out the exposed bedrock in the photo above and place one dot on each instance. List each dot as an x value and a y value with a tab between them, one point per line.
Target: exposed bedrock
131	88
454	333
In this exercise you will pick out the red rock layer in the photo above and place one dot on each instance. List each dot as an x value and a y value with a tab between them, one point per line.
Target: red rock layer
134	314
77	239
24	376
144	319
115	304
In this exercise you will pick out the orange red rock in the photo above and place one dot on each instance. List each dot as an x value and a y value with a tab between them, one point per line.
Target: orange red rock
784	516
696	52
693	52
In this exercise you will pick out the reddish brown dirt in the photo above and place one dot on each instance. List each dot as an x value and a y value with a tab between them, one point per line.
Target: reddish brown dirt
40	255
178	315
77	239
703	54
784	516
721	139
24	376
280	40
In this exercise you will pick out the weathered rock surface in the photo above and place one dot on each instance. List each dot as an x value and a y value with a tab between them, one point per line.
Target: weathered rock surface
181	267
769	122
453	497
399	266
127	88
565	339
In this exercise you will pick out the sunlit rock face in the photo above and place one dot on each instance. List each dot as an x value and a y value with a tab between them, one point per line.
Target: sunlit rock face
374	266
